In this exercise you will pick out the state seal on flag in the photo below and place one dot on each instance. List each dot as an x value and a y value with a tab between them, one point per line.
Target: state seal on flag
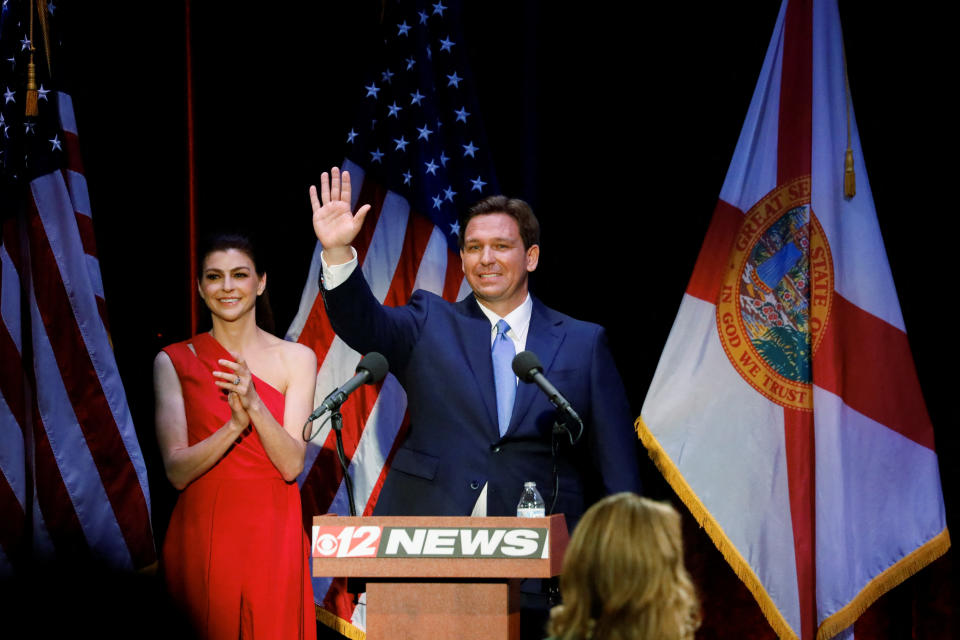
776	295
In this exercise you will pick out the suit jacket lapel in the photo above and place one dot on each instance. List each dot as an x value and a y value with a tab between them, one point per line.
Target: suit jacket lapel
544	339
474	329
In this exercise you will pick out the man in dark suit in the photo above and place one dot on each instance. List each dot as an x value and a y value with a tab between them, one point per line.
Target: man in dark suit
476	436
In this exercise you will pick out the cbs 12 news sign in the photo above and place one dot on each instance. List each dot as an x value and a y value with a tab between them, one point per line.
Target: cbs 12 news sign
429	542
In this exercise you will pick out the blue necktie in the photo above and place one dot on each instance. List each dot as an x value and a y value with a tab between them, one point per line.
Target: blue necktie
506	384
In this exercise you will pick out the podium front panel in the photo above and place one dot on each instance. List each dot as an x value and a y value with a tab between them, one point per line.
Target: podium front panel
438	547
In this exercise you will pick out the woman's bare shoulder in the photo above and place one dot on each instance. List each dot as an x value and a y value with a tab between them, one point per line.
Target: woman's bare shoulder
293	354
162	362
298	354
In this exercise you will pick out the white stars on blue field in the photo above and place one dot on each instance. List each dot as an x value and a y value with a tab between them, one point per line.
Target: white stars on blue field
418	128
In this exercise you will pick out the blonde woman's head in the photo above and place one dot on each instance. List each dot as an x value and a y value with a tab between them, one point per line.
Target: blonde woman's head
624	577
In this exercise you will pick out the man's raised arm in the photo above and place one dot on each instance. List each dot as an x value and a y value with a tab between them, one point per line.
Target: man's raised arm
355	314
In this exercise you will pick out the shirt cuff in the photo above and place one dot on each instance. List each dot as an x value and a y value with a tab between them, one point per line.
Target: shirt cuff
334	276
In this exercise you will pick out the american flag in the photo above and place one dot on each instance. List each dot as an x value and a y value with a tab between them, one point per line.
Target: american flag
73	483
418	154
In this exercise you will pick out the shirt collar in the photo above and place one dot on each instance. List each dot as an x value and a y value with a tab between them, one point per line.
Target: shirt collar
518	319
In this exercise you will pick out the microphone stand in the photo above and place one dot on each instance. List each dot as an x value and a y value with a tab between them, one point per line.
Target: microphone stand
554	448
551	586
336	422
354	585
372	368
560	426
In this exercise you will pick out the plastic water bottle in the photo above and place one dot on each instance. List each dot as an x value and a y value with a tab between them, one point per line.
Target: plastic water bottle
531	502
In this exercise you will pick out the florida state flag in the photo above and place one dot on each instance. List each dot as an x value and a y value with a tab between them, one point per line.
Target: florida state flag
785	410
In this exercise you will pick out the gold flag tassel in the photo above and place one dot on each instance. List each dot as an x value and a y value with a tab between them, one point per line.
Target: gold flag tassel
40	7
31	73
31	87
849	174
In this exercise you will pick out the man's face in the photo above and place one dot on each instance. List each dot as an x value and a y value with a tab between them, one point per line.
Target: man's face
495	263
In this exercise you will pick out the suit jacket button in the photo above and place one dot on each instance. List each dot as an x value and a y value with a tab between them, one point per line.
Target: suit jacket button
495	448
474	485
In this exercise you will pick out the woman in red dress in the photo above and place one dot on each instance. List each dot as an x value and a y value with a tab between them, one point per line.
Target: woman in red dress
235	554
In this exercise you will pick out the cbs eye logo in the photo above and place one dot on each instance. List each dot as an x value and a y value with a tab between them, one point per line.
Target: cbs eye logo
327	544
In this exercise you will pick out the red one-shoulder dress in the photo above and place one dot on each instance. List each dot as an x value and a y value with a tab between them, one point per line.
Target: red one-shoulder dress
235	553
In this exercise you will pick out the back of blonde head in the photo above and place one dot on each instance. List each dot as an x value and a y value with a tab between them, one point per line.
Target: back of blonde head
624	577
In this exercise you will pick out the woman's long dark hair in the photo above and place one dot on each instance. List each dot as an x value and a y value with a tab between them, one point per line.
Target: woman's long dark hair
240	242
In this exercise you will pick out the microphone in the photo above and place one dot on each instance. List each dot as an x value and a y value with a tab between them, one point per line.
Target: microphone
527	367
372	368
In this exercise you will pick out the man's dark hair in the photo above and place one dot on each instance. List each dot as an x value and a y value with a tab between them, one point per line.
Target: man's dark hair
513	207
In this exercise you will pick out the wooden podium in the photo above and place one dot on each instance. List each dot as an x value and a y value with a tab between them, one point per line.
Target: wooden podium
440	577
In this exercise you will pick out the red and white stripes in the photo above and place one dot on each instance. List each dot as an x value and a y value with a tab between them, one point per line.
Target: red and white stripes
80	452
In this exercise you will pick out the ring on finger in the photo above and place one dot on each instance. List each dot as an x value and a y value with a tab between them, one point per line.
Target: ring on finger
236	380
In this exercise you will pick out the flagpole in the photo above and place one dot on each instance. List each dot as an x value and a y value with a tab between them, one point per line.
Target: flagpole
191	177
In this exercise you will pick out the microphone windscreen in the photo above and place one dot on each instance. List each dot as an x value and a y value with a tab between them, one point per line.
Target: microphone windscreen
525	363
376	364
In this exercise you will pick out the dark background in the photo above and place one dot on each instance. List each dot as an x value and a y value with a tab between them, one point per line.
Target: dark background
616	122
